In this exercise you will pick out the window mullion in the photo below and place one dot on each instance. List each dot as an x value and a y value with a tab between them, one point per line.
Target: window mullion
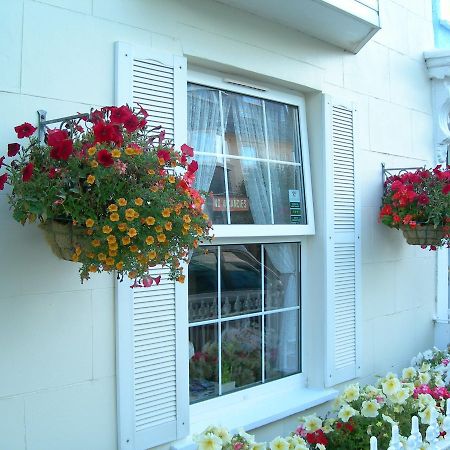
219	317
225	172
263	362
266	142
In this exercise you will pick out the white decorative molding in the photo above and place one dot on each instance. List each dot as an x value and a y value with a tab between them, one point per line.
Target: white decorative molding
438	65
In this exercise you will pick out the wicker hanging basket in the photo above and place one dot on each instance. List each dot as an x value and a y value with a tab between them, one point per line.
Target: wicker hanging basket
423	235
63	237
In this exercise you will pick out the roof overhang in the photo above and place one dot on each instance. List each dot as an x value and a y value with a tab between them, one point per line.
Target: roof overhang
348	24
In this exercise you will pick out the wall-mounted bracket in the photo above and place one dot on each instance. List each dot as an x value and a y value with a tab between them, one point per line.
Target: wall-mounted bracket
67	122
387	173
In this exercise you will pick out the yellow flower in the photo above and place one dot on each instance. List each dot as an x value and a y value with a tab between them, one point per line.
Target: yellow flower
119	265
132	274
89	231
114	246
94	164
92	268
134	248
90	255
122	201
150	220
138	201
154	188
126	240
187	218
132	232
152	255
91	151
89	223
95	243
161	161
101	256
205	216
113	252
161	237
130	151
158	229
106	229
149	240
112	207
114	217
181	279
186	226
90	179
130	214
78	250
109	261
111	239
116	153
74	257
171	179
151	172
122	226
168	226
166	212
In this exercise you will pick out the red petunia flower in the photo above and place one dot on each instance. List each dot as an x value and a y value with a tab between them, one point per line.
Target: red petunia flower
143	111
446	189
1	161
52	173
27	172
104	158
107	132
24	130
54	137
13	149
120	115
3	179
186	150
62	150
193	167
132	123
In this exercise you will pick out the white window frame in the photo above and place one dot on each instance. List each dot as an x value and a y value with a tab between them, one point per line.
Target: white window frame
257	405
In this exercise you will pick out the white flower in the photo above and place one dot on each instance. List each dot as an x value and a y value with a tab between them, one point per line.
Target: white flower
258	446
425	400
312	423
424	377
209	441
428	414
400	396
223	433
346	412
279	443
372	391
250	438
425	367
409	373
320	447
428	355
351	393
390	376
338	402
370	408
391	386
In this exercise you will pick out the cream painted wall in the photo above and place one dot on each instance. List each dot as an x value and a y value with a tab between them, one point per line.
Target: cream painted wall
57	375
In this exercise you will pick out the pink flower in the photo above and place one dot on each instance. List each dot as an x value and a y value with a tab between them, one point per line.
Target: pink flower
445	362
300	431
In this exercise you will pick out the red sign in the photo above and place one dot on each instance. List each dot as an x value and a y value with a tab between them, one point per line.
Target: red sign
234	203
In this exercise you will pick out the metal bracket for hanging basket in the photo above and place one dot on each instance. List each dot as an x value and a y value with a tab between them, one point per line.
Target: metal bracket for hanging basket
67	122
386	173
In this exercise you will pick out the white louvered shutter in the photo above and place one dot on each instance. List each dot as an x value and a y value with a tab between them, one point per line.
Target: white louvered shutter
152	344
343	246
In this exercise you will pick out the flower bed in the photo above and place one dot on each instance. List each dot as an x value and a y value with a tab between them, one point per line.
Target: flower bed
360	412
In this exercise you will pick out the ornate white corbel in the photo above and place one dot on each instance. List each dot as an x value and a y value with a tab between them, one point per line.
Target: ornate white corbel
438	64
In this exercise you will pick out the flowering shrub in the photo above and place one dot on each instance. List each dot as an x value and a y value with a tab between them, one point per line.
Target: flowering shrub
364	411
121	182
417	198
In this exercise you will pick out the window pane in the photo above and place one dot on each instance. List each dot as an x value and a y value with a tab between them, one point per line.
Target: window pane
281	276
240	279
281	352
248	181
210	178
287	194
245	132
203	284
282	131
203	363
241	353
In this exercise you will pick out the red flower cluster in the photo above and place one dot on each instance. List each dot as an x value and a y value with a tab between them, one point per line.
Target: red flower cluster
420	197
60	143
317	437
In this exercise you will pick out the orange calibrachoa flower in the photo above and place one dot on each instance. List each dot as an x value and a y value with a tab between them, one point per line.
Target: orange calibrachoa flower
115	179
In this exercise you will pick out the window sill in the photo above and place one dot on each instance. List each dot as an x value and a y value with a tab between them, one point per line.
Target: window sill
257	412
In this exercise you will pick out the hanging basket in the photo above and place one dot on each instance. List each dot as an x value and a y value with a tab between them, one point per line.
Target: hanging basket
423	235
63	237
